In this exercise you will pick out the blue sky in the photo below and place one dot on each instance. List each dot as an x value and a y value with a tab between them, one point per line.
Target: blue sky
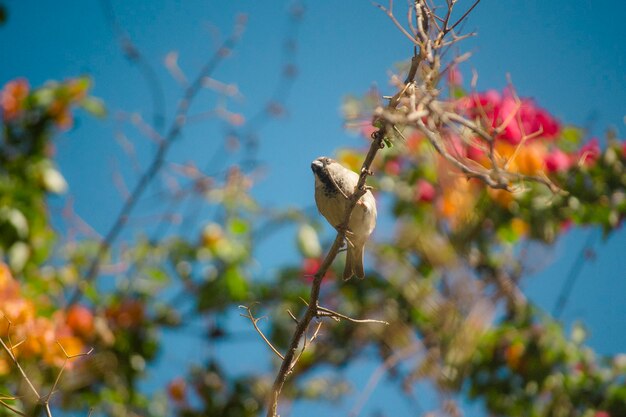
568	56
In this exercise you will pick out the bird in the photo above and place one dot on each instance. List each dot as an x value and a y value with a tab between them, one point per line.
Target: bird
334	185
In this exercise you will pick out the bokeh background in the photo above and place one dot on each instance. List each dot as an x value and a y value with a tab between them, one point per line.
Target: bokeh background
568	56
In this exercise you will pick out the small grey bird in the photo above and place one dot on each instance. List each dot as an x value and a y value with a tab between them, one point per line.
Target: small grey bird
334	184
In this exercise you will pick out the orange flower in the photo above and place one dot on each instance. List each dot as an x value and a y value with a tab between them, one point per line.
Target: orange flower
80	320
77	88
60	112
459	199
514	354
503	197
9	288
37	337
526	158
349	159
177	390
55	356
12	98
5	367
130	313
519	226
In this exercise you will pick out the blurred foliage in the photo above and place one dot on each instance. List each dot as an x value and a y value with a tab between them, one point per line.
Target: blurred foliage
446	280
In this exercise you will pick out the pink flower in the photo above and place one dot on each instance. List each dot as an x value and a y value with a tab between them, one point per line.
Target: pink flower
515	118
367	130
424	191
589	152
566	225
601	414
475	153
392	167
310	266
558	161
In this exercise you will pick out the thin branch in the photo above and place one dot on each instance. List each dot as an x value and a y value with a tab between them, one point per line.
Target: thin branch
134	55
67	358
256	327
11	408
389	13
462	18
9	352
325	312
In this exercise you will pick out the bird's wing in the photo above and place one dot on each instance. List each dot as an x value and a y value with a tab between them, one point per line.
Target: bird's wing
338	187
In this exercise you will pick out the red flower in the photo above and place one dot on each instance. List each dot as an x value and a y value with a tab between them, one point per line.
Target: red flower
601	414
424	191
392	167
515	119
589	152
310	266
558	161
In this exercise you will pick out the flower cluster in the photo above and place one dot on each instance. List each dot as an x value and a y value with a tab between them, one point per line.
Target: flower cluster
512	119
13	97
52	102
35	335
528	141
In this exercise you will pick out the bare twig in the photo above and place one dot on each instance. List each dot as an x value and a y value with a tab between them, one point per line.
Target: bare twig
11	408
254	322
389	13
134	55
462	18
9	351
43	400
325	312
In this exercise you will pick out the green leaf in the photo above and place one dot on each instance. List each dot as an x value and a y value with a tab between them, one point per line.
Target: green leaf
157	274
570	140
507	234
94	106
238	226
236	284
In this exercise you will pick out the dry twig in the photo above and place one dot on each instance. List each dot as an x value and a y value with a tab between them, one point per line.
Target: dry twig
45	399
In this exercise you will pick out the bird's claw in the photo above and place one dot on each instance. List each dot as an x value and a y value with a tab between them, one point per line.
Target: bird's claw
343	229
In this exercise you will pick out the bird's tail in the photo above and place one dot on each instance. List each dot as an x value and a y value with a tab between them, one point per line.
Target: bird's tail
354	261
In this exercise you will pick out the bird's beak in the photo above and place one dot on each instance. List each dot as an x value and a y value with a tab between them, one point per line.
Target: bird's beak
317	165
